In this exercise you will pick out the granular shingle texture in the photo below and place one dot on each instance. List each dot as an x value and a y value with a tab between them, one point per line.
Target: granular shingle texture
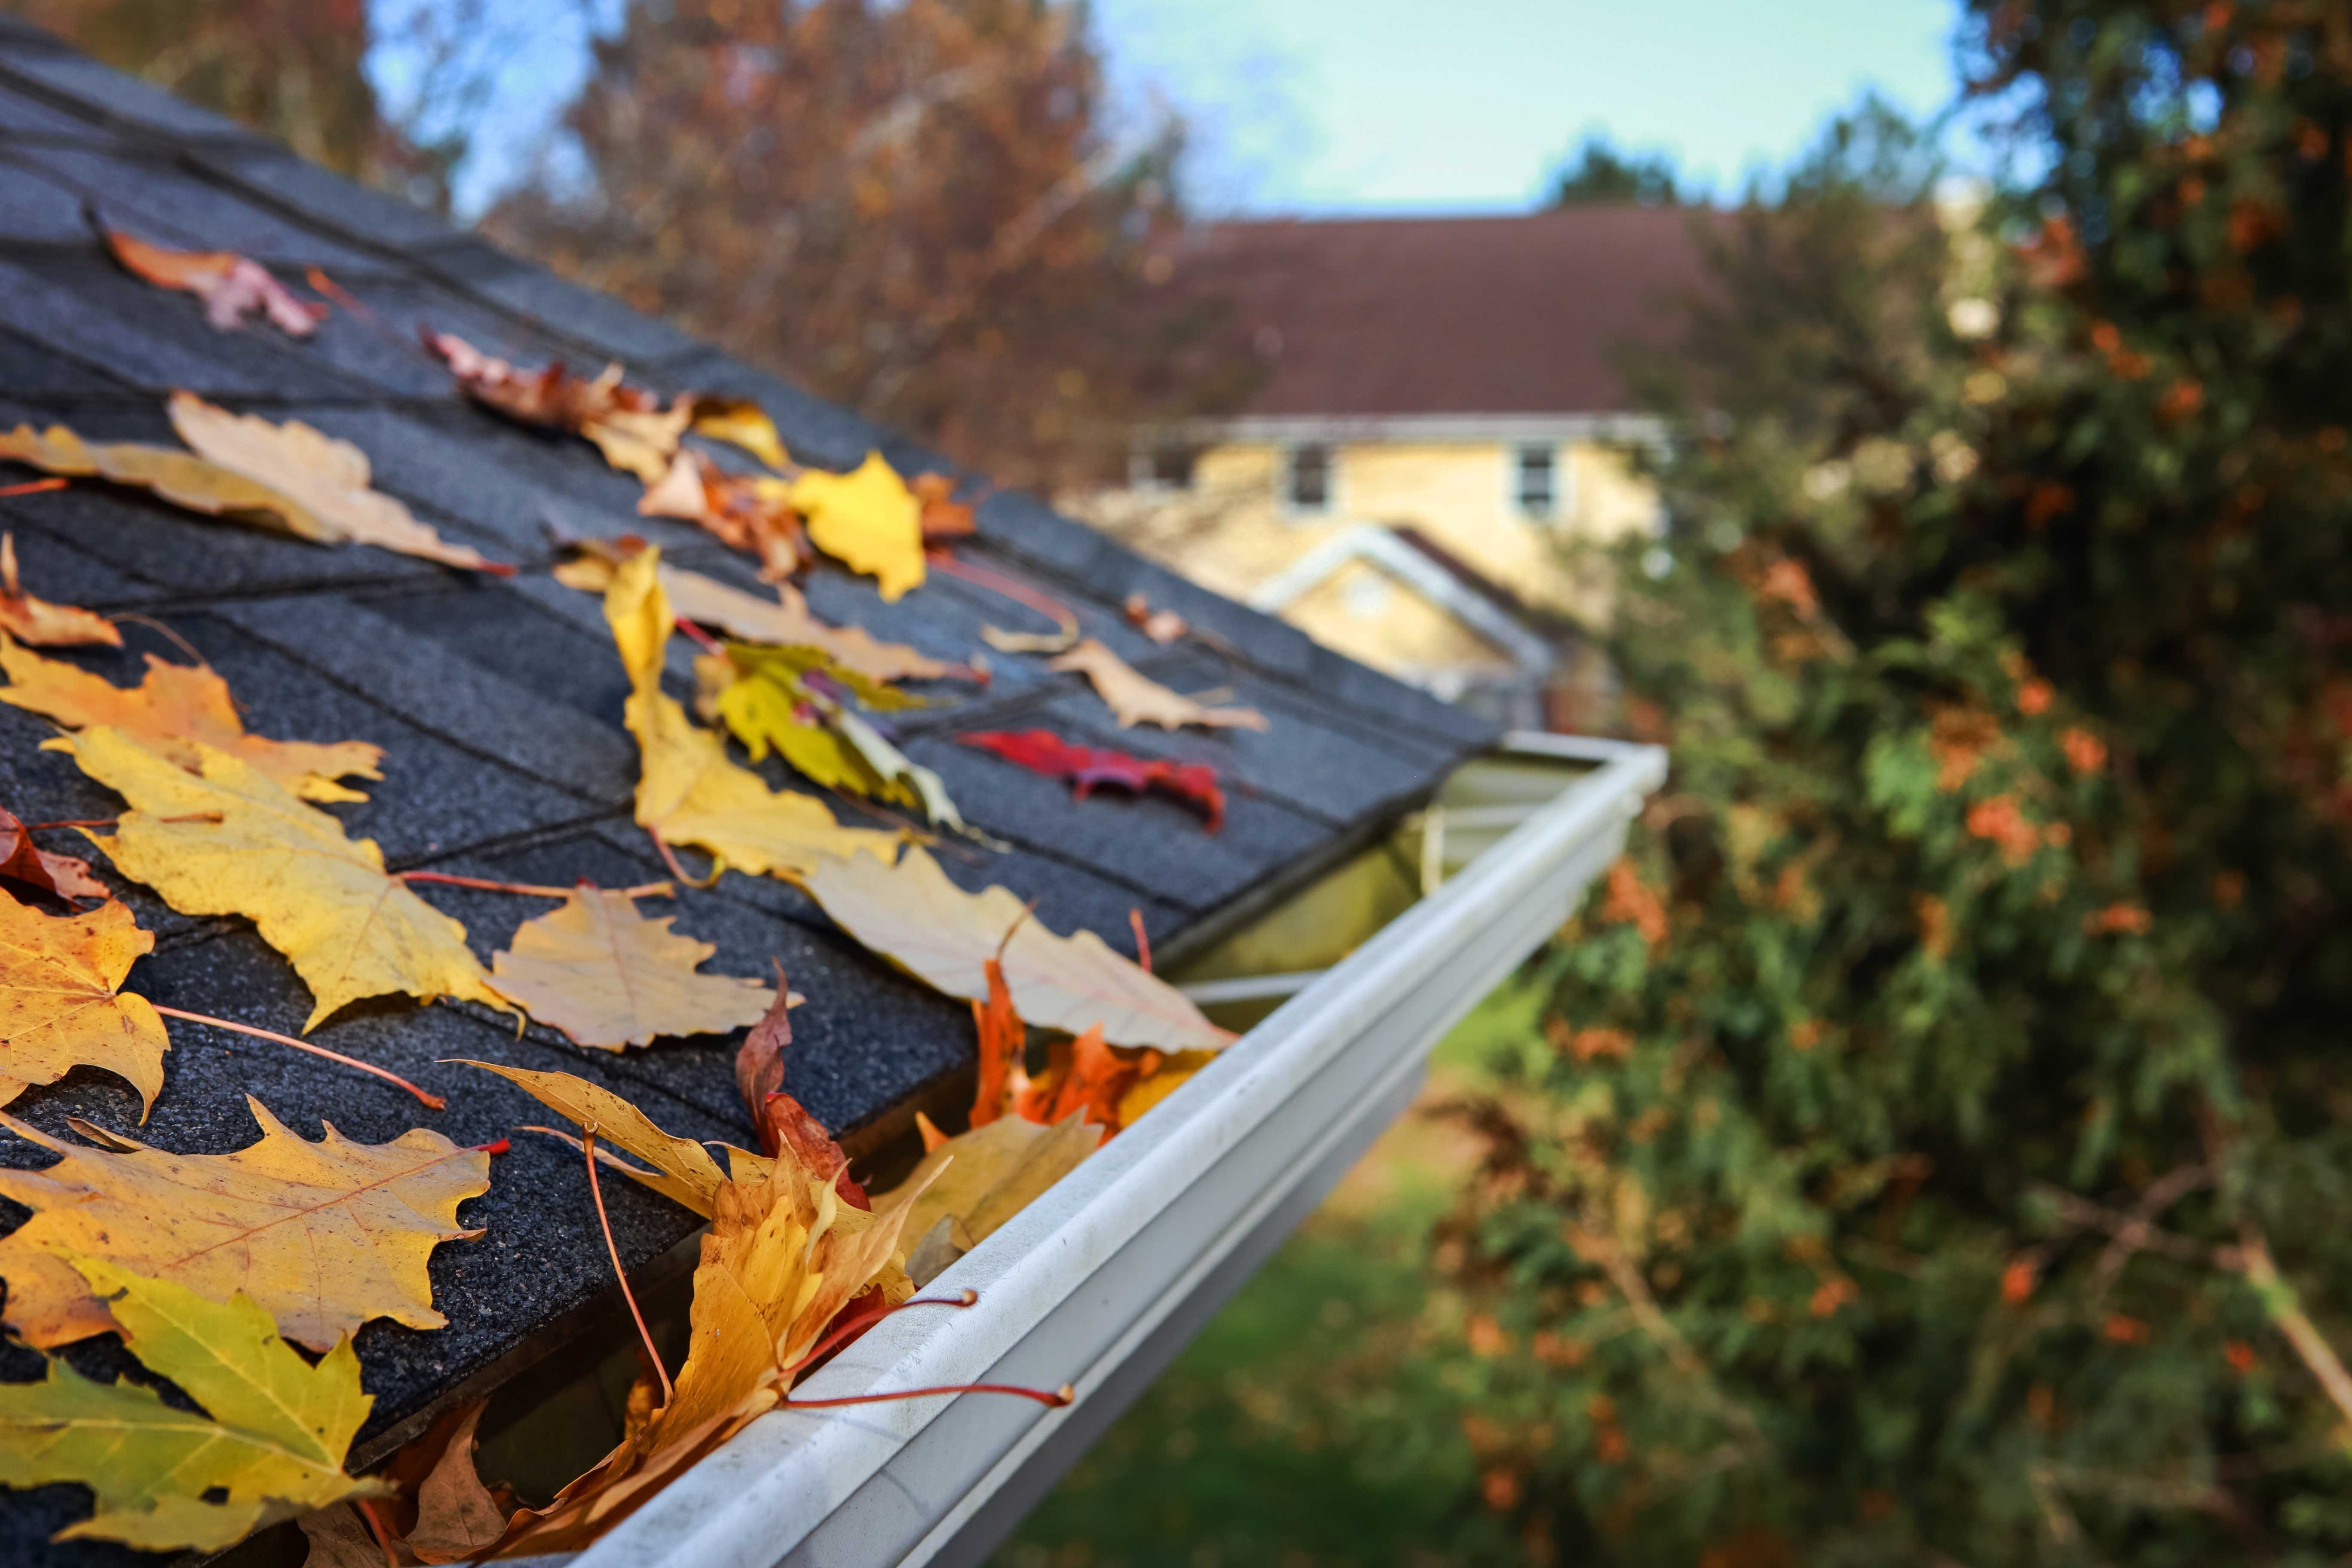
498	704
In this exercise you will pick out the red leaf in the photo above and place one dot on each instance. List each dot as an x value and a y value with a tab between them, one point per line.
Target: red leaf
780	1120
1042	751
62	876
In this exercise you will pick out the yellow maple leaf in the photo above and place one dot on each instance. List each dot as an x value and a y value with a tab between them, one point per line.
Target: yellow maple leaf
611	978
60	1001
1137	698
41	623
866	518
911	915
324	1235
177	708
785	1255
270	1442
688	791
230	841
742	421
330	478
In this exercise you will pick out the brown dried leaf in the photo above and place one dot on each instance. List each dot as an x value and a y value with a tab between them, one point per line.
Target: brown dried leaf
181	478
231	286
748	512
60	875
1137	698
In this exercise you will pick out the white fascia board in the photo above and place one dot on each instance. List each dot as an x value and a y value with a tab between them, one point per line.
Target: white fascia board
1615	428
1379	547
1096	1282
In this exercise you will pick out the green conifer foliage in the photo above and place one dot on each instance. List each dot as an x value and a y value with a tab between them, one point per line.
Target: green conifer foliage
1938	1149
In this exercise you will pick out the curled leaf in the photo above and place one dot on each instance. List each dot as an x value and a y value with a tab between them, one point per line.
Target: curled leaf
41	623
1087	767
745	423
747	512
231	286
28	866
180	477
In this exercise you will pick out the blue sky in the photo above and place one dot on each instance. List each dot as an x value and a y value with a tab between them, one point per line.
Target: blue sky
1321	106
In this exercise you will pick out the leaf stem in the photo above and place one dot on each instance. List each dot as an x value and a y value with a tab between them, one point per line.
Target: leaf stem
33	487
533	889
597	1191
1020	593
85	822
843	1333
1142	942
1057	1398
432	1101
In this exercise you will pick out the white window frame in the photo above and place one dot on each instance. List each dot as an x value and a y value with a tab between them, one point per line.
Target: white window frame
1514	463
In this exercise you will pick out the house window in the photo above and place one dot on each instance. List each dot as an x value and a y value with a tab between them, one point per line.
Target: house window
1172	468
1537	486
1310	479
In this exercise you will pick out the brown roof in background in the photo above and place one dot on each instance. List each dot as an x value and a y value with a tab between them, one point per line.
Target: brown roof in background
1458	315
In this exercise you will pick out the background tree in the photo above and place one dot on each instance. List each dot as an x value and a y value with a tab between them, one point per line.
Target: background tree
1600	173
1937	1151
915	208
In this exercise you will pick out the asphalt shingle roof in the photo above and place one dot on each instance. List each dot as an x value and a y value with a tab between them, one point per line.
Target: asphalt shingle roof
499	704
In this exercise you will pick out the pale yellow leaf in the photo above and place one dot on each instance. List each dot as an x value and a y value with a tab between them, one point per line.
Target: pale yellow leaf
983	1177
60	1001
611	978
327	476
232	842
688	791
456	1518
1137	698
180	477
866	518
270	1441
913	915
324	1235
176	711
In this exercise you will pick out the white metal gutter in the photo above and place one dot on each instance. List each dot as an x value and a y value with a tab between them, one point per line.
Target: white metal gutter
1103	1280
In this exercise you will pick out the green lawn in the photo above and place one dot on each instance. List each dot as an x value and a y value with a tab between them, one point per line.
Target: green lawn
1300	1430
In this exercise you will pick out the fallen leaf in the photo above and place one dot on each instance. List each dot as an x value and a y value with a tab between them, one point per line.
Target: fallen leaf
1002	1038
802	669
747	512
1137	698
683	1171
909	781
176	712
231	286
688	790
324	1237
611	978
913	915
339	1539
783	1257
61	1005
271	1442
60	875
1043	752
767	715
780	1120
944	518
181	478
983	1177
628	424
1163	627
743	423
458	1520
231	841
940	1247
867	520
786	623
329	477
41	623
